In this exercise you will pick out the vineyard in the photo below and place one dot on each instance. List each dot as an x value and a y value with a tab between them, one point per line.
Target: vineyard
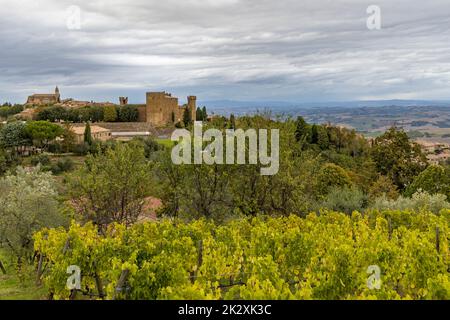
322	256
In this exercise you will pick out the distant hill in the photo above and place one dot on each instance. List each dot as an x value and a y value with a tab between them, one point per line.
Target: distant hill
237	106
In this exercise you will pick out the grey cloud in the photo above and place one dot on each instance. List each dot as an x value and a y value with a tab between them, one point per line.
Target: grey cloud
284	50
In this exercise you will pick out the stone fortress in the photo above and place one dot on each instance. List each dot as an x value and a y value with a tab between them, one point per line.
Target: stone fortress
160	109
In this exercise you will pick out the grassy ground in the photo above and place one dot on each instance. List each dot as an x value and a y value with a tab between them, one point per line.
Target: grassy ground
12	288
165	142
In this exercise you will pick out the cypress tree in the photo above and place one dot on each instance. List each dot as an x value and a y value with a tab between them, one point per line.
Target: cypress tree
199	115
187	117
87	134
232	122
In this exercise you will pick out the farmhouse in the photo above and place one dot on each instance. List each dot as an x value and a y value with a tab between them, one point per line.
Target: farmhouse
97	133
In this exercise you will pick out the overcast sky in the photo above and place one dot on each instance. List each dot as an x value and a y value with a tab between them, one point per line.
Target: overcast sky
280	50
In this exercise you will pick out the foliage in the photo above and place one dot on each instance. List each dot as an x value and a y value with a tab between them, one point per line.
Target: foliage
187	118
14	135
127	114
434	179
42	132
62	165
9	110
383	186
109	114
303	131
217	191
42	159
397	157
320	257
331	175
3	161
232	121
68	137
111	186
27	204
345	200
151	146
87	137
204	114
419	201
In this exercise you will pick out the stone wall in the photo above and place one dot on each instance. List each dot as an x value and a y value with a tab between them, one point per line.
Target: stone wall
163	109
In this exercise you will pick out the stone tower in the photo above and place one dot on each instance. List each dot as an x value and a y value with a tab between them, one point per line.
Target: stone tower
192	106
123	101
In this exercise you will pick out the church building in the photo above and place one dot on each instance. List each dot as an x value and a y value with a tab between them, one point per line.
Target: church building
44	99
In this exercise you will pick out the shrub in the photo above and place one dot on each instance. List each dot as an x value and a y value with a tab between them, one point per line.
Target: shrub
435	179
41	159
150	145
331	175
62	165
55	148
419	201
345	200
81	149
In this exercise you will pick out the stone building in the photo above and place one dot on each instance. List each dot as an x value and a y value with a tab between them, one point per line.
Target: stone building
44	99
123	101
163	109
97	133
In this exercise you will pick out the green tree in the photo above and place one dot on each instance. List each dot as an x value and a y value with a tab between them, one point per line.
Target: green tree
14	136
187	117
110	114
128	114
199	114
28	203
397	157
112	186
383	186
232	121
87	134
204	114
68	136
302	131
435	179
96	114
42	132
331	175
345	200
322	138
3	162
314	134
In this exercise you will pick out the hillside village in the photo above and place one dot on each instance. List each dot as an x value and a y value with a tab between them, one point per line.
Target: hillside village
99	178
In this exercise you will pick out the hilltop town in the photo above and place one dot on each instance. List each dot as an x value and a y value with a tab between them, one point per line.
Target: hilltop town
162	112
160	109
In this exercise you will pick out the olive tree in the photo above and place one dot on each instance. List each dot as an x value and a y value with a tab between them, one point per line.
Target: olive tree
28	203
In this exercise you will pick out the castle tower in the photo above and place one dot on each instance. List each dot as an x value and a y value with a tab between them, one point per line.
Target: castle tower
123	101
192	106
